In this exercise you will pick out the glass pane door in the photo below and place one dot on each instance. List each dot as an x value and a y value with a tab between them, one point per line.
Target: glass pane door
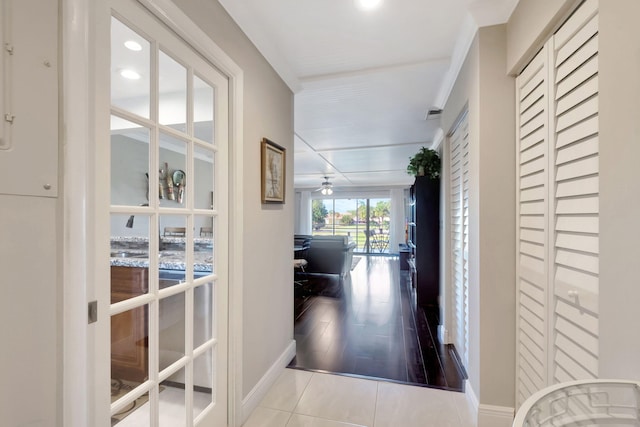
364	221
169	137
378	225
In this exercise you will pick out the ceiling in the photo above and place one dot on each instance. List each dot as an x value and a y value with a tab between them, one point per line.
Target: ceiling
364	80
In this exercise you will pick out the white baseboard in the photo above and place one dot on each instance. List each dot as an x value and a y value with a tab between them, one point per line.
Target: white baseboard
495	416
488	415
260	390
443	334
472	399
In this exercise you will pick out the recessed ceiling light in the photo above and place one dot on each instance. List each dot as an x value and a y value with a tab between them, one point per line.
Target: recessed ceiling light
368	4
130	74
133	45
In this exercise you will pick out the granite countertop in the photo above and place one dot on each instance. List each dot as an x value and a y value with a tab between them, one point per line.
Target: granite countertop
133	252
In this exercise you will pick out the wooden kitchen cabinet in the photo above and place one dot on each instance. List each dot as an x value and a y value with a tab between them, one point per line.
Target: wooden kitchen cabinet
129	330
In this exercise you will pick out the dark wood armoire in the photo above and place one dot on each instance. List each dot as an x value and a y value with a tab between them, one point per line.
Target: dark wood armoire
424	239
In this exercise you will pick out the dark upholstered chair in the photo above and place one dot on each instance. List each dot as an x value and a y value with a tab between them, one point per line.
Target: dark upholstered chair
330	255
302	242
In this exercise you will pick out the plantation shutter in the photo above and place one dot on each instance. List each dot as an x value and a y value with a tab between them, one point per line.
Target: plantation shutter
575	48
532	233
557	205
459	172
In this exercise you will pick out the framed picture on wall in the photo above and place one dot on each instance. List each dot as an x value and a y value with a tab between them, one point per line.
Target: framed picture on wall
273	172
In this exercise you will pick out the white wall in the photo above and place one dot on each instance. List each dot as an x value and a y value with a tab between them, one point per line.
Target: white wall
619	79
488	92
29	311
268	229
30	306
497	220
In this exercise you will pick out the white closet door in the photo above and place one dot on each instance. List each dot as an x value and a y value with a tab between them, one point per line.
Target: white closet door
532	219
576	187
557	208
459	172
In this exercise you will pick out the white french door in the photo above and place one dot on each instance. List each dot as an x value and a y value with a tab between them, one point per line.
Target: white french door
167	359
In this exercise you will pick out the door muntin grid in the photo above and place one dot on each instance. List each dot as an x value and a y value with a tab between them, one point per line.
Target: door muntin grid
166	226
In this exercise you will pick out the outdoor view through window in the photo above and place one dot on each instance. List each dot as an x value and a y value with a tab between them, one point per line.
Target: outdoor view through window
365	221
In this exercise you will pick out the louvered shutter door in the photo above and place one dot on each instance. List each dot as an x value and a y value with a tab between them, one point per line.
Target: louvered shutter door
459	172
464	310
532	222
557	208
576	243
456	236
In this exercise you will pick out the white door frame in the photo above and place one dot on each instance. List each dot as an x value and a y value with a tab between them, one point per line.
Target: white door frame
85	133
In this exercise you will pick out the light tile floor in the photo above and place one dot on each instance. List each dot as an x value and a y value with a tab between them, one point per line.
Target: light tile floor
172	409
307	399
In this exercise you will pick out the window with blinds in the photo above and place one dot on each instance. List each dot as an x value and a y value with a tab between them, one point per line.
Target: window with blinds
557	208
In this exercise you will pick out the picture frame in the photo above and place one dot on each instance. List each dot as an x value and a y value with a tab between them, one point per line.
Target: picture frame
273	176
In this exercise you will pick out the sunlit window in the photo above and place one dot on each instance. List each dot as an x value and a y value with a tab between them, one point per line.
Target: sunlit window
365	221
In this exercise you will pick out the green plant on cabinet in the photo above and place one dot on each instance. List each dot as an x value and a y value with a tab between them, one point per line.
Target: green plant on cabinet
426	162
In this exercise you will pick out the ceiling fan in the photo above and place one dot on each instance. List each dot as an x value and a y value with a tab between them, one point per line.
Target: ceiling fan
326	188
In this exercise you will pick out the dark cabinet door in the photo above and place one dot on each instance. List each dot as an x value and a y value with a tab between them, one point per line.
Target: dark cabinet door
427	240
129	329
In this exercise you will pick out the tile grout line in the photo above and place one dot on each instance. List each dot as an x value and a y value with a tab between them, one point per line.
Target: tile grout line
458	408
375	405
293	411
288	419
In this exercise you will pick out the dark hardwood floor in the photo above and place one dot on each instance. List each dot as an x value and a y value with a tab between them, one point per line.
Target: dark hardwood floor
369	326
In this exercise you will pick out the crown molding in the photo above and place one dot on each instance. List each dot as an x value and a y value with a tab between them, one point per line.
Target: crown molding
461	48
491	12
254	31
481	13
